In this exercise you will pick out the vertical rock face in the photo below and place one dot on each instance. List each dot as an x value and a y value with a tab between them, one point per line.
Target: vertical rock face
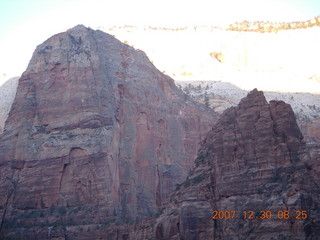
95	133
254	159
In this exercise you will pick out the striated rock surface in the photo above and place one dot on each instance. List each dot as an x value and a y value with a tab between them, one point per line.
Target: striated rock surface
254	159
96	135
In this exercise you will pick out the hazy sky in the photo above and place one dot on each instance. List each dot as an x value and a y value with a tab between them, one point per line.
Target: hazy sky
26	23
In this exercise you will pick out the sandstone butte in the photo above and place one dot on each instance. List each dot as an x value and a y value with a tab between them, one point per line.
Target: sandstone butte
97	139
96	135
254	159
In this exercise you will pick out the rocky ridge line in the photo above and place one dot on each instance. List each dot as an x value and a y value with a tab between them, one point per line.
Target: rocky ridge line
267	27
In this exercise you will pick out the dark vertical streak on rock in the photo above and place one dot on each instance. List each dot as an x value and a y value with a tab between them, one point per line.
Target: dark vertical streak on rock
10	194
158	191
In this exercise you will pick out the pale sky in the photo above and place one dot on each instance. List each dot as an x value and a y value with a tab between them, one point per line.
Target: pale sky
24	24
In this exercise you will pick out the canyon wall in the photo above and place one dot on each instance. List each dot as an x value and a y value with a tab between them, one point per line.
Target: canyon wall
254	165
96	134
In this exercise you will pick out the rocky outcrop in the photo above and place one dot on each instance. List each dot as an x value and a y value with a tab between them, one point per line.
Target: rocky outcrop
96	135
221	95
7	93
253	166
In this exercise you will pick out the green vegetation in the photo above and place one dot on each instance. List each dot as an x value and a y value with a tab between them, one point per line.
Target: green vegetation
276	175
202	158
231	118
188	182
159	212
206	99
62	211
260	190
199	178
295	159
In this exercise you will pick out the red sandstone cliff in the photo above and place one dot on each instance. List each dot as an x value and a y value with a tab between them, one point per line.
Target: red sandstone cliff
255	160
97	139
96	134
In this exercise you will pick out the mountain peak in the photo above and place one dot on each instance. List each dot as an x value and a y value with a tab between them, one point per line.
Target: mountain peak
253	158
254	98
101	129
78	27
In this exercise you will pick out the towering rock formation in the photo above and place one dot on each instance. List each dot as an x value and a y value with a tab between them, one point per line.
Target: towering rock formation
254	167
95	134
221	95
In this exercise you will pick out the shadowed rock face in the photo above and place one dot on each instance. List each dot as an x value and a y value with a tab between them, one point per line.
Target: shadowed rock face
254	159
95	133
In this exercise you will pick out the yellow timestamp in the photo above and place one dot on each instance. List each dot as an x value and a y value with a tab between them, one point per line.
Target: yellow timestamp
281	214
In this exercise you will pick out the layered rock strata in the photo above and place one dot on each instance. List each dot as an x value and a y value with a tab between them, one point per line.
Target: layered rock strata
96	134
